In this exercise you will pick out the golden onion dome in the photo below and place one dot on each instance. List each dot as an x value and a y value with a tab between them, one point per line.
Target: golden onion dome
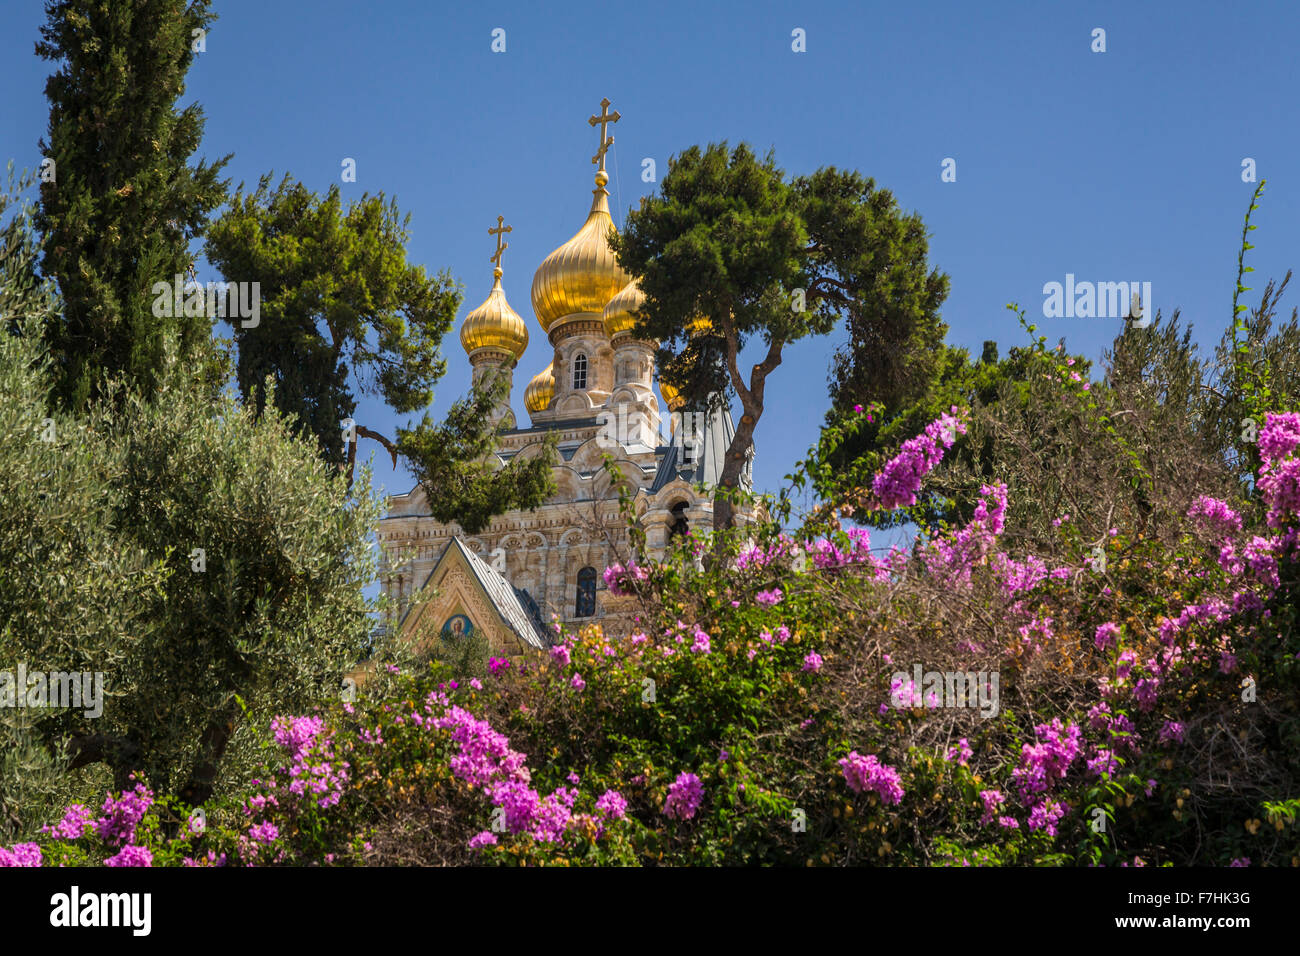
619	315
699	326
672	398
581	275
494	324
540	391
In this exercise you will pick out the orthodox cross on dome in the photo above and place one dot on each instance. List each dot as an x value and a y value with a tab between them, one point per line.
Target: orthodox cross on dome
495	258
603	119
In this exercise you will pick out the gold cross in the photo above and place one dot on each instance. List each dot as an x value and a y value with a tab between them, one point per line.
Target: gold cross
501	246
604	119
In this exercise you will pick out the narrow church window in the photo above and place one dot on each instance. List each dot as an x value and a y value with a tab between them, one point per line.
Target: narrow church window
586	603
580	371
679	527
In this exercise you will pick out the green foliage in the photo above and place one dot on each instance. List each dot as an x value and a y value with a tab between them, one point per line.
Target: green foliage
275	615
456	462
766	259
124	200
340	304
853	445
105	510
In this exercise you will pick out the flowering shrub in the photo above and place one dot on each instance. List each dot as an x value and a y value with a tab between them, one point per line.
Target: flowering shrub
1147	652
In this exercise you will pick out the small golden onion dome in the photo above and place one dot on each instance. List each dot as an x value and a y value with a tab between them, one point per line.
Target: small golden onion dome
540	391
494	324
619	315
581	275
672	398
699	325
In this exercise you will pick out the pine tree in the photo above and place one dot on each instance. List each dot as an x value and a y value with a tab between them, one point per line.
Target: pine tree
120	200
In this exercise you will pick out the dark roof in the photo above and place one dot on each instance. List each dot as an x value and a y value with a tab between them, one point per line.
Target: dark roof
709	454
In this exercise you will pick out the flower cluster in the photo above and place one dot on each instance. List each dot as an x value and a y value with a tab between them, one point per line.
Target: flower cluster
485	756
612	805
1046	814
1279	476
121	815
314	769
899	481
868	773
623	580
77	819
684	797
22	854
131	856
1047	761
1215	515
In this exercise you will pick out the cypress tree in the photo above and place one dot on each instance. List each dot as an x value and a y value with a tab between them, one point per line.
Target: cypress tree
120	200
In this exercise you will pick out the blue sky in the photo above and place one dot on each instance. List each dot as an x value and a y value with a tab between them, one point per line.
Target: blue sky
1115	166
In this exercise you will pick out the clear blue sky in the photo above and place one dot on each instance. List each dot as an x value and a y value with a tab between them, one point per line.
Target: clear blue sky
1123	165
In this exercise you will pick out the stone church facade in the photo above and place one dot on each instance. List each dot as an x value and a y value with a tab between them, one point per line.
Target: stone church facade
596	395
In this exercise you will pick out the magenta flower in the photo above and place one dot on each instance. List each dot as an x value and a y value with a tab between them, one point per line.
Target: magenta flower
480	840
961	752
623	580
1047	761
684	797
813	662
1106	635
131	856
769	598
868	773
1215	515
76	820
1045	815
22	854
577	683
117	826
992	799
612	805
900	479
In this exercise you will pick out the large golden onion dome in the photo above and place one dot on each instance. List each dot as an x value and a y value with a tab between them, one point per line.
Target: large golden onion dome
581	275
494	324
619	314
540	391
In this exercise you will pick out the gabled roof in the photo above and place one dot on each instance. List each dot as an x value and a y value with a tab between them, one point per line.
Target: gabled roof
516	607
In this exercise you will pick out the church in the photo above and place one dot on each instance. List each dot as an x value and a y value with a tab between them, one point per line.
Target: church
511	583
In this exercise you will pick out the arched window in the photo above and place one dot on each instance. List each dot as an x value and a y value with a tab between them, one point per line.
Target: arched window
580	370
585	606
679	527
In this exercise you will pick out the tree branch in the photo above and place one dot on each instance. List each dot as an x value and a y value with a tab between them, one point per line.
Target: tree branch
363	432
